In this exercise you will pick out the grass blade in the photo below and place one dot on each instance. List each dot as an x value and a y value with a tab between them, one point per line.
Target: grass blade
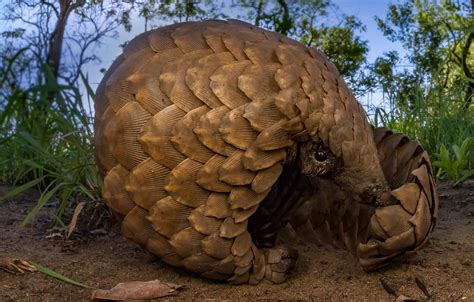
45	197
56	275
21	188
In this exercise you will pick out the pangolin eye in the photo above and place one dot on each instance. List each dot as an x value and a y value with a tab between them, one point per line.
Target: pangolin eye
320	155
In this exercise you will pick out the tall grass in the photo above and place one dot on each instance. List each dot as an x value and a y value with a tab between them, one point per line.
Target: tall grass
46	143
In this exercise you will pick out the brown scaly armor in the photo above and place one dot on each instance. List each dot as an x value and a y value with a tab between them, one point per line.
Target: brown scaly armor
212	136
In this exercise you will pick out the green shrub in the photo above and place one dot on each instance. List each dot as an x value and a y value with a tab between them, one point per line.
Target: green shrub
455	165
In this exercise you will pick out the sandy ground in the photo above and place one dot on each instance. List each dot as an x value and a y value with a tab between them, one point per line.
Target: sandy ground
101	260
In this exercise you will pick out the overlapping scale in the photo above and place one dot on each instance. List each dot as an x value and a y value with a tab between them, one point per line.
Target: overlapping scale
189	38
233	172
145	183
118	88
136	227
101	102
173	84
257	82
103	154
186	141
261	54
182	184
187	242
168	217
208	133
216	246
230	229
203	224
198	76
224	84
156	134
274	137
122	134
146	85
266	178
236	130
208	175
262	115
217	206
244	197
255	159
199	263
114	193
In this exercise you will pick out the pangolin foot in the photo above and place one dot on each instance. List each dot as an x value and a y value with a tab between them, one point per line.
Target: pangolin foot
279	260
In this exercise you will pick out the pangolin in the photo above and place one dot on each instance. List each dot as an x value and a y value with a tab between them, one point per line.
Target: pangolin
213	136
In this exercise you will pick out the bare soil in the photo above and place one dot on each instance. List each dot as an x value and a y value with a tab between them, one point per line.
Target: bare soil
103	258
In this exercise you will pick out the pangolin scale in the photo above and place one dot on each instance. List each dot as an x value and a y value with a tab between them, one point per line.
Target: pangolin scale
213	136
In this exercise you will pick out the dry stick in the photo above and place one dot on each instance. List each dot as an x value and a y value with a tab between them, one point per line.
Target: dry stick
421	285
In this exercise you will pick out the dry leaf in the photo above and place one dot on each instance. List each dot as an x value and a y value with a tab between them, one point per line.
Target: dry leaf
136	290
72	225
15	265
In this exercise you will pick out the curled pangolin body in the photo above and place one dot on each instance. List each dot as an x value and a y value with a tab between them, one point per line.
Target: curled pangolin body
195	127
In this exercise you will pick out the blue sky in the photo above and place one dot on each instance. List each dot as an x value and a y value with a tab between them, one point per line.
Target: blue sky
365	10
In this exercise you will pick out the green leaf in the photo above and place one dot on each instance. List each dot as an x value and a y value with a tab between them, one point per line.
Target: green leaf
464	177
465	147
457	152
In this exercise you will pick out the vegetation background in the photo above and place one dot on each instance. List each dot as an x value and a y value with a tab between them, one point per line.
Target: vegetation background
46	119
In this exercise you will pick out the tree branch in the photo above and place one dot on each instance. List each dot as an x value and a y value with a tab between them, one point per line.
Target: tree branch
51	6
467	72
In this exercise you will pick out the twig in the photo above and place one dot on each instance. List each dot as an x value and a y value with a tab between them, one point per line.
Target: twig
421	285
388	288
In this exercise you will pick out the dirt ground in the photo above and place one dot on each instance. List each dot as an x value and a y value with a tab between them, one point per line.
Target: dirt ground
104	258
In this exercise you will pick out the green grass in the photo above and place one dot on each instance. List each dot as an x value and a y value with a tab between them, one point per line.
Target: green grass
46	138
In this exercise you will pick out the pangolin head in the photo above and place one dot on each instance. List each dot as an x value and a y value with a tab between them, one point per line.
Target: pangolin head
361	176
362	179
339	146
